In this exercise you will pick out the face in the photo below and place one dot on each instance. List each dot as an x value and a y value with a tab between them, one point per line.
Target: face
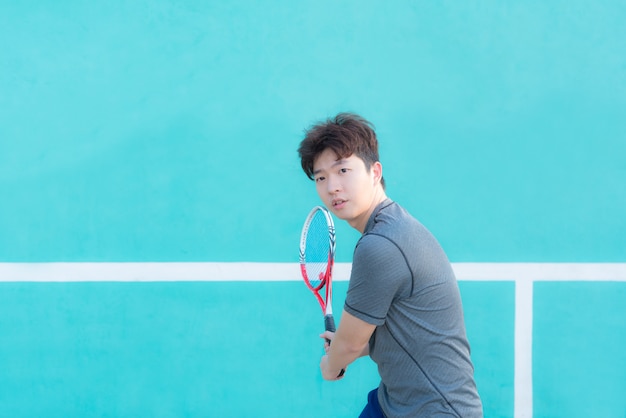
347	188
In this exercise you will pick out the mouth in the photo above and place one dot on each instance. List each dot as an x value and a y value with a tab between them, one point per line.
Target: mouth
338	203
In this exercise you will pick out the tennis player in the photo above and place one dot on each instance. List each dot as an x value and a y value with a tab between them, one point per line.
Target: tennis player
403	306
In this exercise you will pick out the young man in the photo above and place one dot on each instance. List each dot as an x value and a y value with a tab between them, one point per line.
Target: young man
403	306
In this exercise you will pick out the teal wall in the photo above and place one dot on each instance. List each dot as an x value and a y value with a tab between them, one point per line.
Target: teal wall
227	349
579	366
144	130
167	131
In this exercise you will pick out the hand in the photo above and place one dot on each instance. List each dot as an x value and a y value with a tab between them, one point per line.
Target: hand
330	374
328	337
327	373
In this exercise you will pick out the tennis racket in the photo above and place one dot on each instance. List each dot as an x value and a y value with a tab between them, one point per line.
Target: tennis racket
317	257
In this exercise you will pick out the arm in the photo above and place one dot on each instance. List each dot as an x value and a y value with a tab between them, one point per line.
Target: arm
350	342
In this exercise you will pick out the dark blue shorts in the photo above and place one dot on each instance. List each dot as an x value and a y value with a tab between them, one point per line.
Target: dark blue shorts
372	409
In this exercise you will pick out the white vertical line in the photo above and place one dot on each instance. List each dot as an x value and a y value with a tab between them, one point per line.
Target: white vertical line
523	397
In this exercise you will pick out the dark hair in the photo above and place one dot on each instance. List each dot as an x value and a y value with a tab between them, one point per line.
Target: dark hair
346	134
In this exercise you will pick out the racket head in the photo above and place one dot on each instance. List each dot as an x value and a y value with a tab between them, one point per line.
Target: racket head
317	248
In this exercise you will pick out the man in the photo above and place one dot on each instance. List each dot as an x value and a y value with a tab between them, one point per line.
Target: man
403	306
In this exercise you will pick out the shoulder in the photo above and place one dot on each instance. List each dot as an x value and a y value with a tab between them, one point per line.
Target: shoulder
375	245
379	256
389	226
392	218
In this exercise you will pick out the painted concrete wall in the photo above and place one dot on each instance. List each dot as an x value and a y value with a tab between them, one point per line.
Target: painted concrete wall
162	131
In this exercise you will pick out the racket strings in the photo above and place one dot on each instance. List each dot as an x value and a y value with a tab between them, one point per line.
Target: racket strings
318	250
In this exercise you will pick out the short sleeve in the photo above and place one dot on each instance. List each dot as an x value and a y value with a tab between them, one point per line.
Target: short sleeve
379	275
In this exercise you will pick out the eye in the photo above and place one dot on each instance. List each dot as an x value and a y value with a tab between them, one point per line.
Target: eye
319	179
343	170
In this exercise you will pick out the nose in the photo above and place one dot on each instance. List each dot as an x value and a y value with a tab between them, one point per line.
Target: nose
333	185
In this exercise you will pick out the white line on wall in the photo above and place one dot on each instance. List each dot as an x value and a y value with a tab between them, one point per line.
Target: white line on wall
523	365
244	271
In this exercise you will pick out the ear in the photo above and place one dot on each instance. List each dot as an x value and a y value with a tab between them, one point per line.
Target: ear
377	172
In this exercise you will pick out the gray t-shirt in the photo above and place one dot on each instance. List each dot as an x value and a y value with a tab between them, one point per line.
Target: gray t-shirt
403	283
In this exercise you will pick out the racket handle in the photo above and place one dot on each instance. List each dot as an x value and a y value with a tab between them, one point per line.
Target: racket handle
329	324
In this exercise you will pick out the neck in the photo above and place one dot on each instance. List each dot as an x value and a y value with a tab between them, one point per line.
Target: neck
360	223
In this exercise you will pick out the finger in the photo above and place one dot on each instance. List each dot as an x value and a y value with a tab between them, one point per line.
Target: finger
327	335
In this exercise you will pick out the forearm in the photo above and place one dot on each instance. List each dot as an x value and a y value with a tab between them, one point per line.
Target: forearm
366	350
342	352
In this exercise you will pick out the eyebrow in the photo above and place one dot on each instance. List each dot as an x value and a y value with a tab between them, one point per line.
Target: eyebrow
336	163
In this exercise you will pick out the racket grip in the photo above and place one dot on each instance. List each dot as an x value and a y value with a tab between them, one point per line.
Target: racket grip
329	324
